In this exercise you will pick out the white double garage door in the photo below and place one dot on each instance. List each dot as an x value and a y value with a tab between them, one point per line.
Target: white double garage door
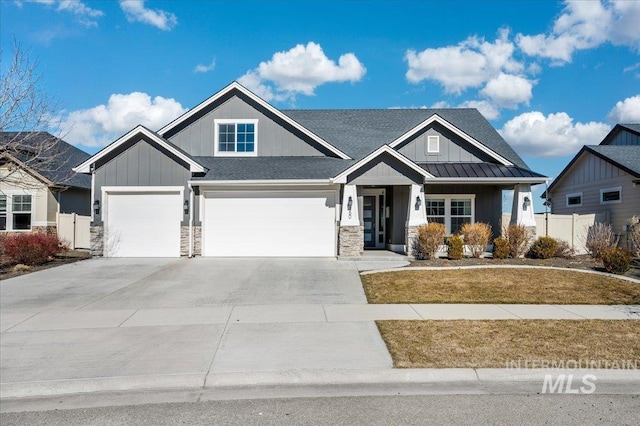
234	223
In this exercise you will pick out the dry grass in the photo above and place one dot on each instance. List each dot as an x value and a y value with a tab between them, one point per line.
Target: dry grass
510	285
498	344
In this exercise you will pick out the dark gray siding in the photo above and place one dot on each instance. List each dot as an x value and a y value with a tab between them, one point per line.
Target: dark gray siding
385	170
399	205
625	138
452	148
141	164
488	204
75	200
274	140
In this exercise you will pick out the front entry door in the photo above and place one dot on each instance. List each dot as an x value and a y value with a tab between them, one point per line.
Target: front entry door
374	218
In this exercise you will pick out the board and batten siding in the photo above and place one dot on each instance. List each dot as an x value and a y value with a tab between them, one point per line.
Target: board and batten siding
141	164
453	149
588	175
385	170
274	140
625	138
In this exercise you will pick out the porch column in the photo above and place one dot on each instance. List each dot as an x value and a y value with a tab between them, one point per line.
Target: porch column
522	208
350	233
416	216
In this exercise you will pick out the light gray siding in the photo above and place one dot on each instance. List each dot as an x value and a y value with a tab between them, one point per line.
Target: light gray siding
588	175
385	170
453	149
274	140
141	164
625	138
488	201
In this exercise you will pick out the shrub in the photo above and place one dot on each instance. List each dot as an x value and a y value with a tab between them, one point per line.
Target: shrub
634	234
616	260
430	238
543	248
501	248
455	249
600	237
564	250
476	236
518	237
34	248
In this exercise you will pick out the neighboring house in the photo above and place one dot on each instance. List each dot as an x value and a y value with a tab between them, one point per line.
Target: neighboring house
36	181
235	176
603	179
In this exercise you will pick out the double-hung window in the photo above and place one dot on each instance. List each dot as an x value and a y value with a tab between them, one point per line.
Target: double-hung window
451	210
15	212
236	138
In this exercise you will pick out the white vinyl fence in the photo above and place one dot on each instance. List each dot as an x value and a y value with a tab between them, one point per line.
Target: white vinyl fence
571	228
74	229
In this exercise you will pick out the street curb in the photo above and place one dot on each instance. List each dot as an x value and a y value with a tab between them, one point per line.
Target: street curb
315	378
451	268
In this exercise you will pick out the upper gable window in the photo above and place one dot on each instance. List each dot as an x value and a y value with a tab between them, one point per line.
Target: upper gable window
433	144
611	195
236	138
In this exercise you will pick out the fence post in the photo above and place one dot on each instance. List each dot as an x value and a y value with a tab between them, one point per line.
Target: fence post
574	218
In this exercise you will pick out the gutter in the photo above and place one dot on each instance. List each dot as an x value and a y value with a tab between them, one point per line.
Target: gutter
265	182
486	180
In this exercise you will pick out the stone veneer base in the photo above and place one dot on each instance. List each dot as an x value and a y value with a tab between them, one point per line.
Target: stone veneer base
351	241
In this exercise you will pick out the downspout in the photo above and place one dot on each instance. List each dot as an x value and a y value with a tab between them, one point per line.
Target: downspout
191	199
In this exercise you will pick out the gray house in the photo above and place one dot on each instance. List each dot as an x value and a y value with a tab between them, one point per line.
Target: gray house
602	178
235	176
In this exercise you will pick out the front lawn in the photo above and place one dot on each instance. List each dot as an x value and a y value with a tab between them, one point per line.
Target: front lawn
509	285
512	343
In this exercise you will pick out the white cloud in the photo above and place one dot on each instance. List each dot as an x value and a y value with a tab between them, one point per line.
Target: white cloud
507	91
136	12
489	111
627	111
635	68
585	25
299	71
85	14
555	135
200	68
100	125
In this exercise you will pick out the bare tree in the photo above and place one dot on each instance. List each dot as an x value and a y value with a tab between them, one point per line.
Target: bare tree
27	116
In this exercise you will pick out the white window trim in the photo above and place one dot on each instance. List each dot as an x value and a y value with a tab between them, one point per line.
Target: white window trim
236	121
574	194
9	211
447	206
612	189
431	138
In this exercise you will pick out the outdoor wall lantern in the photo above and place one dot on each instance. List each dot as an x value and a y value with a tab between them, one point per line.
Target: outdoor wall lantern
350	205
527	202
418	202
96	207
186	206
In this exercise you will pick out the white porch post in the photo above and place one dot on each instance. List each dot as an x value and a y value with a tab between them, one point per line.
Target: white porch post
350	233
522	209
416	216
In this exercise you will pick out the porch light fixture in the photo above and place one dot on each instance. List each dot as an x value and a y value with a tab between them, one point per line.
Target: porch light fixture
186	206
418	203
527	202
350	205
96	207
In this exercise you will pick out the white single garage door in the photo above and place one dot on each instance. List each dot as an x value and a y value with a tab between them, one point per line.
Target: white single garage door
143	224
284	224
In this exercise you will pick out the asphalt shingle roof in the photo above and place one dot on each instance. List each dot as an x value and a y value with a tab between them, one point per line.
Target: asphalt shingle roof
61	157
360	132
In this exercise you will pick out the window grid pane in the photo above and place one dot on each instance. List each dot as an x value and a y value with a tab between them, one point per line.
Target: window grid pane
3	203
21	203
236	137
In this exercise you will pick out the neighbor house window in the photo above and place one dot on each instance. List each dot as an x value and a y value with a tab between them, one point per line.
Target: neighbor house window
433	144
236	137
451	210
611	195
574	200
15	212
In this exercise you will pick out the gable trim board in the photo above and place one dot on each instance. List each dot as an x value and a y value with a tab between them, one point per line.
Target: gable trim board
616	129
237	86
435	118
194	166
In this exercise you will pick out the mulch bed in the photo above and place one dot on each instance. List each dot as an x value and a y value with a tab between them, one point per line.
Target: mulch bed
7	266
579	262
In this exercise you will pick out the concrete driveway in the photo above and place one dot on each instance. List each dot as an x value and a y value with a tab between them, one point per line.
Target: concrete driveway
129	322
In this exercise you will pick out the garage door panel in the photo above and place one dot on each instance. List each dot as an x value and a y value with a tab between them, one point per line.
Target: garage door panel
269	224
143	225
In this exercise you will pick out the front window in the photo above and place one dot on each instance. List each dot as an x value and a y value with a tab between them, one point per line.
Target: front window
236	138
15	212
451	210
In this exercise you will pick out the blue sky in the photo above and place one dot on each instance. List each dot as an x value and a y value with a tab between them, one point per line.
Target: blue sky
550	76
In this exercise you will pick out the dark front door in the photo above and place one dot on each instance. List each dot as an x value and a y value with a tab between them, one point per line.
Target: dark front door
369	219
